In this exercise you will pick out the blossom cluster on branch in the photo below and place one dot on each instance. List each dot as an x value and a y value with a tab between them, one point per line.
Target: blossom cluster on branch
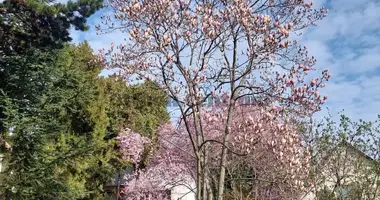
181	43
198	49
265	141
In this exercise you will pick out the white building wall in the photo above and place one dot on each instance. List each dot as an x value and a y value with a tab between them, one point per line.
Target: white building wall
182	193
1	162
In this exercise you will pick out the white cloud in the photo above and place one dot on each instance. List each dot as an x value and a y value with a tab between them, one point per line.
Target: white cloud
360	98
347	43
365	62
97	41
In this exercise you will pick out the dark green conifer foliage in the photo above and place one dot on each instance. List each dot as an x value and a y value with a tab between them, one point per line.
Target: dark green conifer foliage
59	117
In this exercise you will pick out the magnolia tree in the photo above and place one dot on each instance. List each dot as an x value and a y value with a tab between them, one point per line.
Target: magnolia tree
164	170
266	146
199	48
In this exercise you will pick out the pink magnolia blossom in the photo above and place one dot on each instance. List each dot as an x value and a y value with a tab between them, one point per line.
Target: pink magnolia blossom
135	143
270	146
166	166
197	49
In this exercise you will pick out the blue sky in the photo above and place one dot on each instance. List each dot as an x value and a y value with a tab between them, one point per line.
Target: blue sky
347	43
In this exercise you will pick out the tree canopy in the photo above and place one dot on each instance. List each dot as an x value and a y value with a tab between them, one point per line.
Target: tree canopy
58	117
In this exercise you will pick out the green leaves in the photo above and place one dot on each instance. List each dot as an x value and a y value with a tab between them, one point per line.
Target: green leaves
347	153
141	108
58	115
63	141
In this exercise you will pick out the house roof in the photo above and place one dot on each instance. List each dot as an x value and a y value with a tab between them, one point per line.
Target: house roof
348	145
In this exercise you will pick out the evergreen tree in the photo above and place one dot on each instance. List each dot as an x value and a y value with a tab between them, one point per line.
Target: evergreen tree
66	148
140	107
58	115
32	33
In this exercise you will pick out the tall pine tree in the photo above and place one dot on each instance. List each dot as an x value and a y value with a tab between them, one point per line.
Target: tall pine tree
59	117
32	33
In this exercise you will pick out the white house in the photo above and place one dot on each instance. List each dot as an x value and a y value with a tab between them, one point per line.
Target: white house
178	192
348	173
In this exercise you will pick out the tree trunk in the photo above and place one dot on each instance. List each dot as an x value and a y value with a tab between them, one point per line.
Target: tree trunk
199	180
222	173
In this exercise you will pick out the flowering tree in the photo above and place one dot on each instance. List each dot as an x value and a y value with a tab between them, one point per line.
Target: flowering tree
168	164
199	48
268	146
